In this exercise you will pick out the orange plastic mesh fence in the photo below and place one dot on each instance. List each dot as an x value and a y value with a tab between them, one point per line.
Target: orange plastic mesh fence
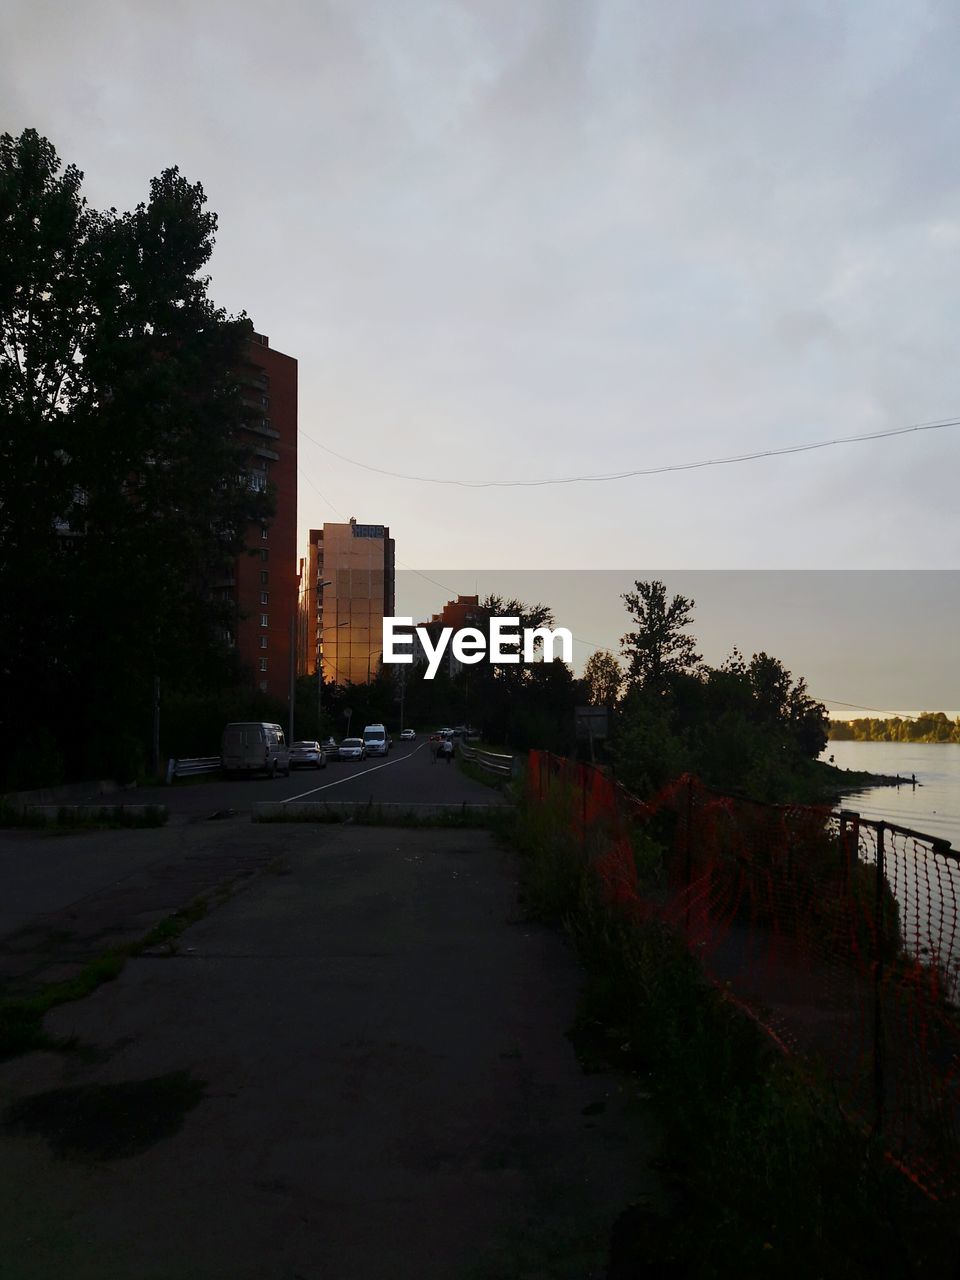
837	934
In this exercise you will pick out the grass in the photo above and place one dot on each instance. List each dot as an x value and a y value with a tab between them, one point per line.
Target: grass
496	781
765	1174
21	1017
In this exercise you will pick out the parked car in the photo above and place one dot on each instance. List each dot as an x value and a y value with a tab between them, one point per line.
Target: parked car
307	755
254	747
375	740
407	735
352	749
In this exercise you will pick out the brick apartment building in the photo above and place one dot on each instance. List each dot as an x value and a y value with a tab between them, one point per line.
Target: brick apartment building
265	583
463	612
347	585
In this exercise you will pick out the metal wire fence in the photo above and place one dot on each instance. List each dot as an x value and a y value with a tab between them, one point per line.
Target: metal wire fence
839	935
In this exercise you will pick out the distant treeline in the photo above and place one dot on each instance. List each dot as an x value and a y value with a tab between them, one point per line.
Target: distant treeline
929	726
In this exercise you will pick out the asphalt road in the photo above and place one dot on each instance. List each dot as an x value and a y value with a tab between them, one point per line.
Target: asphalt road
42	873
408	775
387	1090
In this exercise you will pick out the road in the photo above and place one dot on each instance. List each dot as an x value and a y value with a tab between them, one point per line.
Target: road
408	775
42	873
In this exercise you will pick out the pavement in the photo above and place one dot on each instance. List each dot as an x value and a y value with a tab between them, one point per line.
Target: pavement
354	1067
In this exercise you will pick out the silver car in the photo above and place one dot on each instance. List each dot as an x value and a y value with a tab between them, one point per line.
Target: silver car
307	755
352	749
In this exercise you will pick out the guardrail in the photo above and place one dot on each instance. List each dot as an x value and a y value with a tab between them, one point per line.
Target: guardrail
492	761
190	768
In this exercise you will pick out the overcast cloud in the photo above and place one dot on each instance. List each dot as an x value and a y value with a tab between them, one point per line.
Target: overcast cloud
512	240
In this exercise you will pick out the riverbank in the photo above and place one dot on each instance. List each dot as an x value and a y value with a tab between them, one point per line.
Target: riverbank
833	783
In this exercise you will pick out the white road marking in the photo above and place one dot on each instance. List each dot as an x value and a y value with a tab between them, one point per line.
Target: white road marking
363	772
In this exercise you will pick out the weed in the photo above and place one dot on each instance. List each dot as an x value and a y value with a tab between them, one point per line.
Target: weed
766	1173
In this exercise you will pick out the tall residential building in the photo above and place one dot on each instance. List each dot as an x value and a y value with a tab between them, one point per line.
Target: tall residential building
347	589
265	583
465	611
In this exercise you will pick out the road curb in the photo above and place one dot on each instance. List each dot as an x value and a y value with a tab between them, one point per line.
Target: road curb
387	813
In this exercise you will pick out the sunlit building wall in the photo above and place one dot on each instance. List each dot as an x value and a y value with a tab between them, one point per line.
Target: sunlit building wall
348	590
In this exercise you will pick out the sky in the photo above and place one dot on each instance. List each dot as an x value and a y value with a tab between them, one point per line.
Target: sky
516	241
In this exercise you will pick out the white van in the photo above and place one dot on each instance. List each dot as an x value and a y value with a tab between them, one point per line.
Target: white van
252	747
375	740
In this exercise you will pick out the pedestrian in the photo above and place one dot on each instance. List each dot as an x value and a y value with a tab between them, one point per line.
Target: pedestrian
447	748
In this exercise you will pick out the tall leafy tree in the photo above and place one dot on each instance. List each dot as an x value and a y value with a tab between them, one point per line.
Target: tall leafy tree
659	648
602	678
123	485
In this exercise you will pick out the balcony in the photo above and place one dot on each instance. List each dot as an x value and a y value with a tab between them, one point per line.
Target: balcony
260	427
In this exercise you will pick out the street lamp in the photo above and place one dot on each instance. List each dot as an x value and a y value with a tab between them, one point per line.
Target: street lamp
323	632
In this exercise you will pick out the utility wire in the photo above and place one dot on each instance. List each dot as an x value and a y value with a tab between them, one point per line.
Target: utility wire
900	715
641	471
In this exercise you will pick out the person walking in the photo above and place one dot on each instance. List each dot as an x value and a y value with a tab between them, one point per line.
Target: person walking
447	748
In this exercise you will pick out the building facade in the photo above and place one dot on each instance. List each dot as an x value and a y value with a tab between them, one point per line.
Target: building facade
347	589
265	583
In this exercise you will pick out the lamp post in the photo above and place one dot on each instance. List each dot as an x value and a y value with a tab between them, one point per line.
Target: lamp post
319	587
323	632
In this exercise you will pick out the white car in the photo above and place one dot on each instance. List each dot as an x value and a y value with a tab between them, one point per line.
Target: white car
407	735
352	749
307	755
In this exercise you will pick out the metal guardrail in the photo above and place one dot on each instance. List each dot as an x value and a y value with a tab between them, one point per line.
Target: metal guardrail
492	761
191	767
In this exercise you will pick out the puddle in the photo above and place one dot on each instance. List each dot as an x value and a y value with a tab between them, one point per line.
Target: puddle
107	1121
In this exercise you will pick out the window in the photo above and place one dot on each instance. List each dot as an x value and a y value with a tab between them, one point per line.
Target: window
264	553
263	664
264	620
264	597
263	533
264	577
263	686
263	642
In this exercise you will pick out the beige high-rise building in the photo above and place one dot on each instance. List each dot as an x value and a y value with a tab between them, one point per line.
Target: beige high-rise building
347	589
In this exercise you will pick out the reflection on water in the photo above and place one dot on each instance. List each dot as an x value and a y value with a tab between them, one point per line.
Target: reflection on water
932	807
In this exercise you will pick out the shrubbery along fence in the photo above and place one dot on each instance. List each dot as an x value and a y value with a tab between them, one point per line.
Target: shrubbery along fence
838	935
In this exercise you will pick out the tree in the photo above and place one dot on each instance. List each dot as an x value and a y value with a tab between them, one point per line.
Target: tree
659	649
602	678
123	486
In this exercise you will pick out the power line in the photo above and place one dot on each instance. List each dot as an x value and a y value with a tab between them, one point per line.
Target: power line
641	471
834	702
336	510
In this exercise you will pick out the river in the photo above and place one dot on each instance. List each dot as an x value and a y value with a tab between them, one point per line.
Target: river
932	807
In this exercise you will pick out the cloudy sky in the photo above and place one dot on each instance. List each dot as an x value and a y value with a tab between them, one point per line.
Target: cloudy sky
523	240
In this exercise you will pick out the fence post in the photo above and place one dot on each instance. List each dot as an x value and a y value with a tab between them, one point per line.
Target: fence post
688	859
878	1045
583	807
849	846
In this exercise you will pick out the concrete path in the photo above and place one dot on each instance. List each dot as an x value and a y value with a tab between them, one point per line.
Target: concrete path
387	1088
